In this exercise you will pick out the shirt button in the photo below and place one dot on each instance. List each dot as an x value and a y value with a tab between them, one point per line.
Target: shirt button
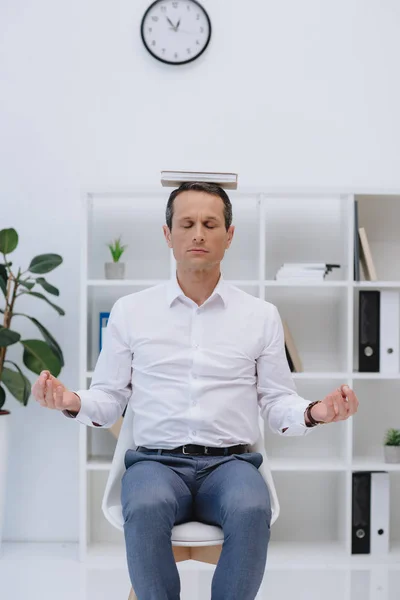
194	402
194	432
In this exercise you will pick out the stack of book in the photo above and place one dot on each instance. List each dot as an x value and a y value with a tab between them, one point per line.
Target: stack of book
227	181
304	272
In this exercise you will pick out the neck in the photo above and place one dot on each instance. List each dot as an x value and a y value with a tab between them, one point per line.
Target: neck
198	285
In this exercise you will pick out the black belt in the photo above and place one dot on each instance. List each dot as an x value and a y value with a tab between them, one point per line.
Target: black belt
194	449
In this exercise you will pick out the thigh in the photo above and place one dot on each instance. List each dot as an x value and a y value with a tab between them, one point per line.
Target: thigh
233	486
148	485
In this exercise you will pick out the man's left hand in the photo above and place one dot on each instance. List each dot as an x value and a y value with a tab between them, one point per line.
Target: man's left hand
336	406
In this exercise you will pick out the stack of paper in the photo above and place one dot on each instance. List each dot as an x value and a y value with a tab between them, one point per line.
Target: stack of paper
304	271
228	181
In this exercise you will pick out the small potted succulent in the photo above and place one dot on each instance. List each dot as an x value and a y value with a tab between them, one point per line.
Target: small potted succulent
392	446
115	269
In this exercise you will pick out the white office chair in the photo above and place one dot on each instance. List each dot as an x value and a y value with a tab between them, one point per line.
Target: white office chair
192	540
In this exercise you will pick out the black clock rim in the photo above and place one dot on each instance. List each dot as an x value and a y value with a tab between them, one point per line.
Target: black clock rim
168	62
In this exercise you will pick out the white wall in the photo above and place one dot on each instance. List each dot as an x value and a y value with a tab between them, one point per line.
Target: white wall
288	94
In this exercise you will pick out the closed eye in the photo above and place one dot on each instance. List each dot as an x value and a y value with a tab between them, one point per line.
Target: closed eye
208	226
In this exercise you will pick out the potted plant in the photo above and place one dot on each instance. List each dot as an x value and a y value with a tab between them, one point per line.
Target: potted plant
392	446
115	269
37	355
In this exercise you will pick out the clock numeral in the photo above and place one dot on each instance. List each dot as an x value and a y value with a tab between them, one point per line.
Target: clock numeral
175	4
155	19
188	50
188	7
163	50
153	43
150	29
197	42
201	29
176	55
198	17
163	9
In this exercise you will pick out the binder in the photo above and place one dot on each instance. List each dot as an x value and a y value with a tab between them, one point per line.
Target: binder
103	321
380	512
389	331
369	331
370	512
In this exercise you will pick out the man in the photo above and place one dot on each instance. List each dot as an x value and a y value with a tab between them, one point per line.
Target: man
197	358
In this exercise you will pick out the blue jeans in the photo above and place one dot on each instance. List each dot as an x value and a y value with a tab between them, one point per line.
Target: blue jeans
163	490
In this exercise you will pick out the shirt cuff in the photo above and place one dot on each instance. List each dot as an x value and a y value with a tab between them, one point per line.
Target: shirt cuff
83	415
298	426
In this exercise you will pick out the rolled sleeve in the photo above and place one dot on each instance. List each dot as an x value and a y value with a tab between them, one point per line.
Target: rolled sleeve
280	405
111	386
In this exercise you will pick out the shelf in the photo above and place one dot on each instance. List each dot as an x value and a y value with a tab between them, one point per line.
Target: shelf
288	283
98	464
236	282
376	284
383	376
373	463
287	464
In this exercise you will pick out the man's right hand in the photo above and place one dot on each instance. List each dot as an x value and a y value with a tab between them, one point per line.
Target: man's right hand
51	393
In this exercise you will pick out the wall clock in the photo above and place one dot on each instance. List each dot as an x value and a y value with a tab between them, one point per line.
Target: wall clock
176	32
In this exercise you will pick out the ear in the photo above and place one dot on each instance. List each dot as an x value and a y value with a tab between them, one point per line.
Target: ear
167	235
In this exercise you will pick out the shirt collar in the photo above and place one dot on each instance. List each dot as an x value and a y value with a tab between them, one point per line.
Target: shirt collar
174	290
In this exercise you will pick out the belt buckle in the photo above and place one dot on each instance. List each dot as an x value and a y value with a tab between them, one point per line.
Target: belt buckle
183	449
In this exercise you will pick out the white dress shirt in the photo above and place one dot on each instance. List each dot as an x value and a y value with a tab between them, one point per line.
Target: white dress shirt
194	374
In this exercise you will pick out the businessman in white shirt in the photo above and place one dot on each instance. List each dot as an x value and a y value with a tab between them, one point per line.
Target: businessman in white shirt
198	359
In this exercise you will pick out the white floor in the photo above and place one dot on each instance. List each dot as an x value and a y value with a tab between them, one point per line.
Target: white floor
53	572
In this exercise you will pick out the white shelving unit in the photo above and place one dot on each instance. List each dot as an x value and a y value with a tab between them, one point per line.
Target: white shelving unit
313	474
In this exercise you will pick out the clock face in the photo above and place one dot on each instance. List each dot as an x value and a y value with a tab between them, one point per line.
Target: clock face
176	31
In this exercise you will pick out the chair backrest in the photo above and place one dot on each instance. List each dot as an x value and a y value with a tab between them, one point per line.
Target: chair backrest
111	504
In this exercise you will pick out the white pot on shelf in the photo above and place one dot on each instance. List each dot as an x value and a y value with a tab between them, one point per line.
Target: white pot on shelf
392	454
114	270
5	420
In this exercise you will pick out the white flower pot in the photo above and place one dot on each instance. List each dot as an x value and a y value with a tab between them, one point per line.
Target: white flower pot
114	270
5	418
392	454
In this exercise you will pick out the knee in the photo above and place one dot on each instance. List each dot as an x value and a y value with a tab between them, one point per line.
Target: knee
251	510
145	509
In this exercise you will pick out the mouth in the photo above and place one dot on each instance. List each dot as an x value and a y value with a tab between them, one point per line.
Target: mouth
198	251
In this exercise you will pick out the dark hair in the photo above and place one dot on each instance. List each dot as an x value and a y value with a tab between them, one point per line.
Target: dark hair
210	188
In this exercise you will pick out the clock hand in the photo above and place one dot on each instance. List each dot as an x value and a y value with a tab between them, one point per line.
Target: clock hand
177	25
171	23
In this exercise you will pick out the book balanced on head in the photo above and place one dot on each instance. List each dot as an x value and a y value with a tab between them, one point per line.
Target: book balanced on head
228	181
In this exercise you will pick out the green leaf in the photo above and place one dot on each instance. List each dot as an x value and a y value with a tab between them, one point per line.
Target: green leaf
37	295
38	357
49	338
44	263
8	240
8	337
16	382
47	286
2	397
27	284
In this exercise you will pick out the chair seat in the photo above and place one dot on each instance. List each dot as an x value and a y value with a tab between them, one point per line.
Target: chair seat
198	533
186	534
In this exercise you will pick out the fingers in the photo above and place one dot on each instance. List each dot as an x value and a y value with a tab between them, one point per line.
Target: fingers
345	403
39	389
352	399
340	405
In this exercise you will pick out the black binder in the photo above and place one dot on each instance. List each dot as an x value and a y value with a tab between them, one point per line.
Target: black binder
368	328
361	514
